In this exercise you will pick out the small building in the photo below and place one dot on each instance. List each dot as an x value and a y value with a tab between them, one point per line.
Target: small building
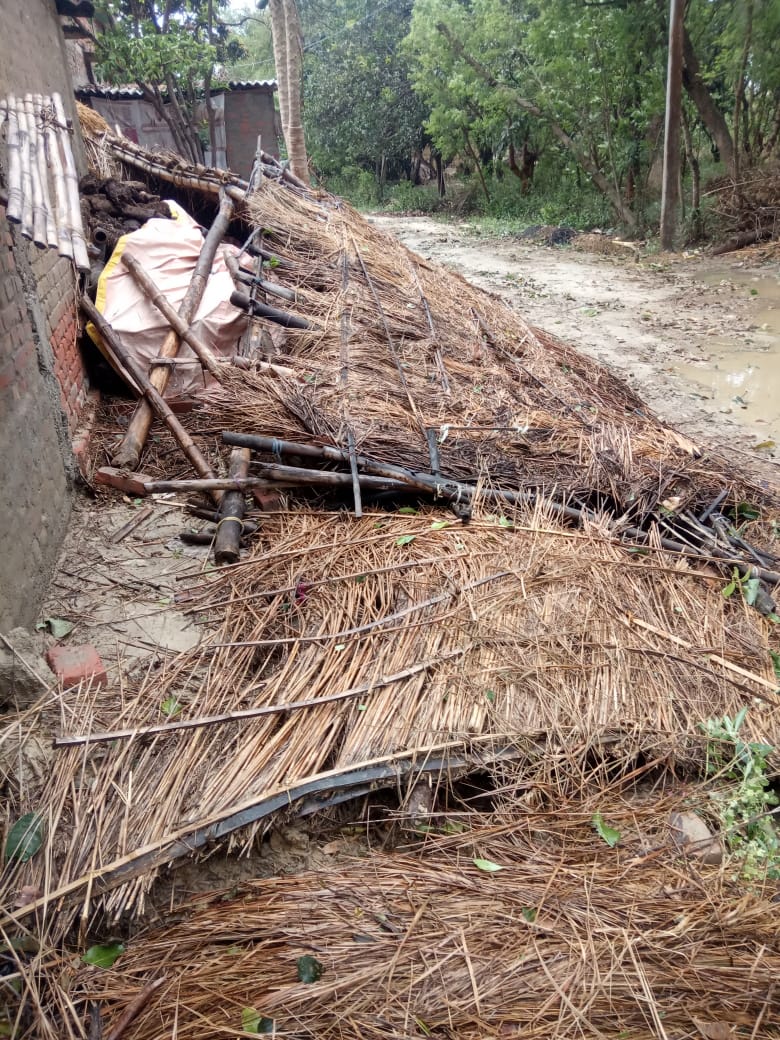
243	109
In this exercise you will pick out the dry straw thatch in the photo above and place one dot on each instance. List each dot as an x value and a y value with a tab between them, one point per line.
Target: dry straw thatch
569	938
345	653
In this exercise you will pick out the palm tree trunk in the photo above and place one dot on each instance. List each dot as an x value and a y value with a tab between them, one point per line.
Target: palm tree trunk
296	143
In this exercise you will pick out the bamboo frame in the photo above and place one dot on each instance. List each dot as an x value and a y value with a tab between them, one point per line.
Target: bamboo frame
129	453
125	364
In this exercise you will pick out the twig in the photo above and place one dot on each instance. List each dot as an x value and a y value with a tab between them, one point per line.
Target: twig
133	1009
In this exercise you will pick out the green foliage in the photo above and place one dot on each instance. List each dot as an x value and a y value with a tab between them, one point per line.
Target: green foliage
103	956
309	969
25	837
745	805
360	109
608	834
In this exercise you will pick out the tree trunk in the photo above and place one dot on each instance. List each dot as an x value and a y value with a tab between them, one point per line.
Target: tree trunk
739	91
475	157
439	167
711	115
512	96
286	36
524	170
276	12
670	192
693	162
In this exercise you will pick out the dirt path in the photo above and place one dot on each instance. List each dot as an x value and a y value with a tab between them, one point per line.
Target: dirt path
698	338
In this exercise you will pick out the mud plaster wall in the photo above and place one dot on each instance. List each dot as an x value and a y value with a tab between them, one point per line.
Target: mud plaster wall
43	386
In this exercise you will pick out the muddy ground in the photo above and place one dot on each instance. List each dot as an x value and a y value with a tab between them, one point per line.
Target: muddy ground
697	337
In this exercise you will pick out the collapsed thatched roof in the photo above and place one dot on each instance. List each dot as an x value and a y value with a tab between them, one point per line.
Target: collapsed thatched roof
526	926
345	653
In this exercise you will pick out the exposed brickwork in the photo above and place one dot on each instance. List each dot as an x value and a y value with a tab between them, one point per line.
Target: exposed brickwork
42	382
33	471
247	114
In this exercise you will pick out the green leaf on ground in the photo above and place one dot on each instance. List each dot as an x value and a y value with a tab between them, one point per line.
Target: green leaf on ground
439	525
58	627
609	834
309	968
103	956
405	539
253	1022
170	707
529	913
487	865
751	588
408	511
25	837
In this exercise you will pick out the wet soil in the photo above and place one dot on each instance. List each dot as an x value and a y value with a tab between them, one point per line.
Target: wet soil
697	337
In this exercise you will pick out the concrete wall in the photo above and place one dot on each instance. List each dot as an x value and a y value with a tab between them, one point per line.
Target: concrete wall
247	114
42	382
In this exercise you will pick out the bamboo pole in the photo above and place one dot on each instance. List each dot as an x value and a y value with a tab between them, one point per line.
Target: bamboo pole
262	310
64	242
128	364
247	278
204	352
289	475
75	228
52	238
24	157
231	527
38	211
129	452
14	206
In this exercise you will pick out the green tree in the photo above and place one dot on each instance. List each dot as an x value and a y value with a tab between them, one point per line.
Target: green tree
170	50
361	109
583	76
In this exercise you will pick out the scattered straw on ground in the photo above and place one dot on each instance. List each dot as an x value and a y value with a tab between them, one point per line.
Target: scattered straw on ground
556	936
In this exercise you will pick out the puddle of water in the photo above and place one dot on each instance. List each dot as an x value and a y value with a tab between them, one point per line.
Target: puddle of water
742	377
764	288
746	381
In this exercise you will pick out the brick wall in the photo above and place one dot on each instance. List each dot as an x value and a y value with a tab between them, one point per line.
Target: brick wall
247	114
34	459
43	387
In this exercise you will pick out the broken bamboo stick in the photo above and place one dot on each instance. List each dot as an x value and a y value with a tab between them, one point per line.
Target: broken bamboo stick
231	522
52	236
129	452
156	402
204	352
13	143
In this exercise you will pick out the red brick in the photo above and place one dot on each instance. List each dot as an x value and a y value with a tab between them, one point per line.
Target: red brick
72	664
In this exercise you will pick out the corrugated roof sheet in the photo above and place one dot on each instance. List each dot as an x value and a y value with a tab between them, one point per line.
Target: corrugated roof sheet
130	93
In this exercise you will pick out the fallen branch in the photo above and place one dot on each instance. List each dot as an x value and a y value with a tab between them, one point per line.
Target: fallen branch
134	1008
283	474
